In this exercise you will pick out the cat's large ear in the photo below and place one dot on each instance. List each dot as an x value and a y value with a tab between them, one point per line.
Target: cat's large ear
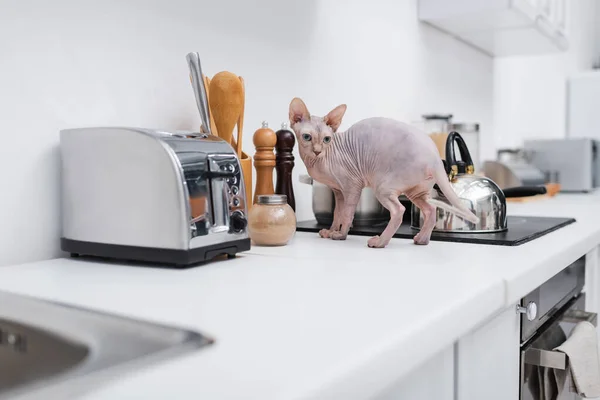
298	111
334	118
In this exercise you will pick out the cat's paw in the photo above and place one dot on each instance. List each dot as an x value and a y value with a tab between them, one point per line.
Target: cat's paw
376	242
421	239
325	233
337	235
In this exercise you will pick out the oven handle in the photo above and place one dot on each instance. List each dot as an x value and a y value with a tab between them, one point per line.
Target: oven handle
557	359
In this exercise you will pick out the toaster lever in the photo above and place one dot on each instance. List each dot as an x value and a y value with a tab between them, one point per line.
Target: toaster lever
219	174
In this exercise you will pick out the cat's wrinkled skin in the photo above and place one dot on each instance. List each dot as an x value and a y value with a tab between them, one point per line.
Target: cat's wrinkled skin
386	155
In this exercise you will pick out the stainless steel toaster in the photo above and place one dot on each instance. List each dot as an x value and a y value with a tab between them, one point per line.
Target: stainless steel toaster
148	195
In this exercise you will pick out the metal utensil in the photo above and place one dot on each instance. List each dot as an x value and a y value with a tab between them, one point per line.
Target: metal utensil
193	60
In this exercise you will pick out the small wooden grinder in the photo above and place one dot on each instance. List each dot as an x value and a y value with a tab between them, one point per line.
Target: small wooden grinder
284	161
264	160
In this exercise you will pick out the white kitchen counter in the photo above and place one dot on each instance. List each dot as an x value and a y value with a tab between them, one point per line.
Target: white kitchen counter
522	267
316	318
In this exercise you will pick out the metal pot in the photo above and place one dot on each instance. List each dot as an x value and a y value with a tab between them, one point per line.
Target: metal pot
369	211
480	194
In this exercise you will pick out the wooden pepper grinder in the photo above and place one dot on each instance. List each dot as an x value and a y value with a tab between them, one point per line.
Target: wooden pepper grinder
264	160
284	163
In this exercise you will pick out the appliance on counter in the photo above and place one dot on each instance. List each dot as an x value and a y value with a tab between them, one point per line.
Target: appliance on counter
548	315
573	162
479	194
176	198
512	168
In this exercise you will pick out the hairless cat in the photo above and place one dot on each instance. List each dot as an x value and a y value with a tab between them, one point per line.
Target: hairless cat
390	157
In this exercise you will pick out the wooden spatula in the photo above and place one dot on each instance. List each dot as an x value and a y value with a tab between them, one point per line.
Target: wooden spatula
226	102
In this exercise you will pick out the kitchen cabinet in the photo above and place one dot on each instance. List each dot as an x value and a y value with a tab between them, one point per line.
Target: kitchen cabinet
502	27
483	364
488	359
433	380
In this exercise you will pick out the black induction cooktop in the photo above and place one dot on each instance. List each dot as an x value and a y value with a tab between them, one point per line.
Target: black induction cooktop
520	230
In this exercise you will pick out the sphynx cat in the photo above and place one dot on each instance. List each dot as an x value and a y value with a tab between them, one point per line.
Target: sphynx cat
388	156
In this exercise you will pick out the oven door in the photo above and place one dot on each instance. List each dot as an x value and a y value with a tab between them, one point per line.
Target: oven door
538	359
551	296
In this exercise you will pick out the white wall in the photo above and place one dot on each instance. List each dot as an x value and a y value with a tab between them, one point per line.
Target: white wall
530	91
69	63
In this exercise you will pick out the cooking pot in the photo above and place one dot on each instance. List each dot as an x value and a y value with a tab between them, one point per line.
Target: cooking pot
477	192
369	210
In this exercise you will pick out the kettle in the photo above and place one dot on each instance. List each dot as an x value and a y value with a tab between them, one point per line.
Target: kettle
478	193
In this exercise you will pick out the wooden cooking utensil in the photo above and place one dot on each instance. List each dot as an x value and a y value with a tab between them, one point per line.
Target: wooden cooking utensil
237	144
245	159
213	127
246	163
226	102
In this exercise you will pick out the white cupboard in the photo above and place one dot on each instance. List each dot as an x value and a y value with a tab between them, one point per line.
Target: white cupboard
433	380
488	359
502	27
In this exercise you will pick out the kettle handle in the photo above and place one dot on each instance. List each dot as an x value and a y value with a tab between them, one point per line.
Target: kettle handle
454	137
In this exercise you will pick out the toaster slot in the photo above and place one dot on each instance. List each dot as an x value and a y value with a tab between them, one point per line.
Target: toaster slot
194	171
220	169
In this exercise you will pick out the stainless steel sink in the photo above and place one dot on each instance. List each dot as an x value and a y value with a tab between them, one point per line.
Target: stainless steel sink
52	350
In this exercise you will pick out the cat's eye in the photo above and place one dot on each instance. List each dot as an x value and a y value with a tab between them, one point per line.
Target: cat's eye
327	139
306	137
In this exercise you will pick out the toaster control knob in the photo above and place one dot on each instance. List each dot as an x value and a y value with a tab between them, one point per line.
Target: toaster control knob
228	167
234	190
238	221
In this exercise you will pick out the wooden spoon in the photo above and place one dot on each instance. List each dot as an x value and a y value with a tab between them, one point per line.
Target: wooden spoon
237	144
213	128
226	102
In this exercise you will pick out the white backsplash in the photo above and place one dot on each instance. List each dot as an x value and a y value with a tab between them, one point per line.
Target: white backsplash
69	63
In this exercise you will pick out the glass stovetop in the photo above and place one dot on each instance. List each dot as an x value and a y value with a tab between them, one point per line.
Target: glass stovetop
520	230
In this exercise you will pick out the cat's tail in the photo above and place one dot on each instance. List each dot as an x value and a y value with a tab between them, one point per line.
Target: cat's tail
455	206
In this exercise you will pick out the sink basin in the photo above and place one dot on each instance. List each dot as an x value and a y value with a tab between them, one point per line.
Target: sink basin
53	350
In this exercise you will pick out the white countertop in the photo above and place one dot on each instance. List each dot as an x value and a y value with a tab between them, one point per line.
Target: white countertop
522	267
316	318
